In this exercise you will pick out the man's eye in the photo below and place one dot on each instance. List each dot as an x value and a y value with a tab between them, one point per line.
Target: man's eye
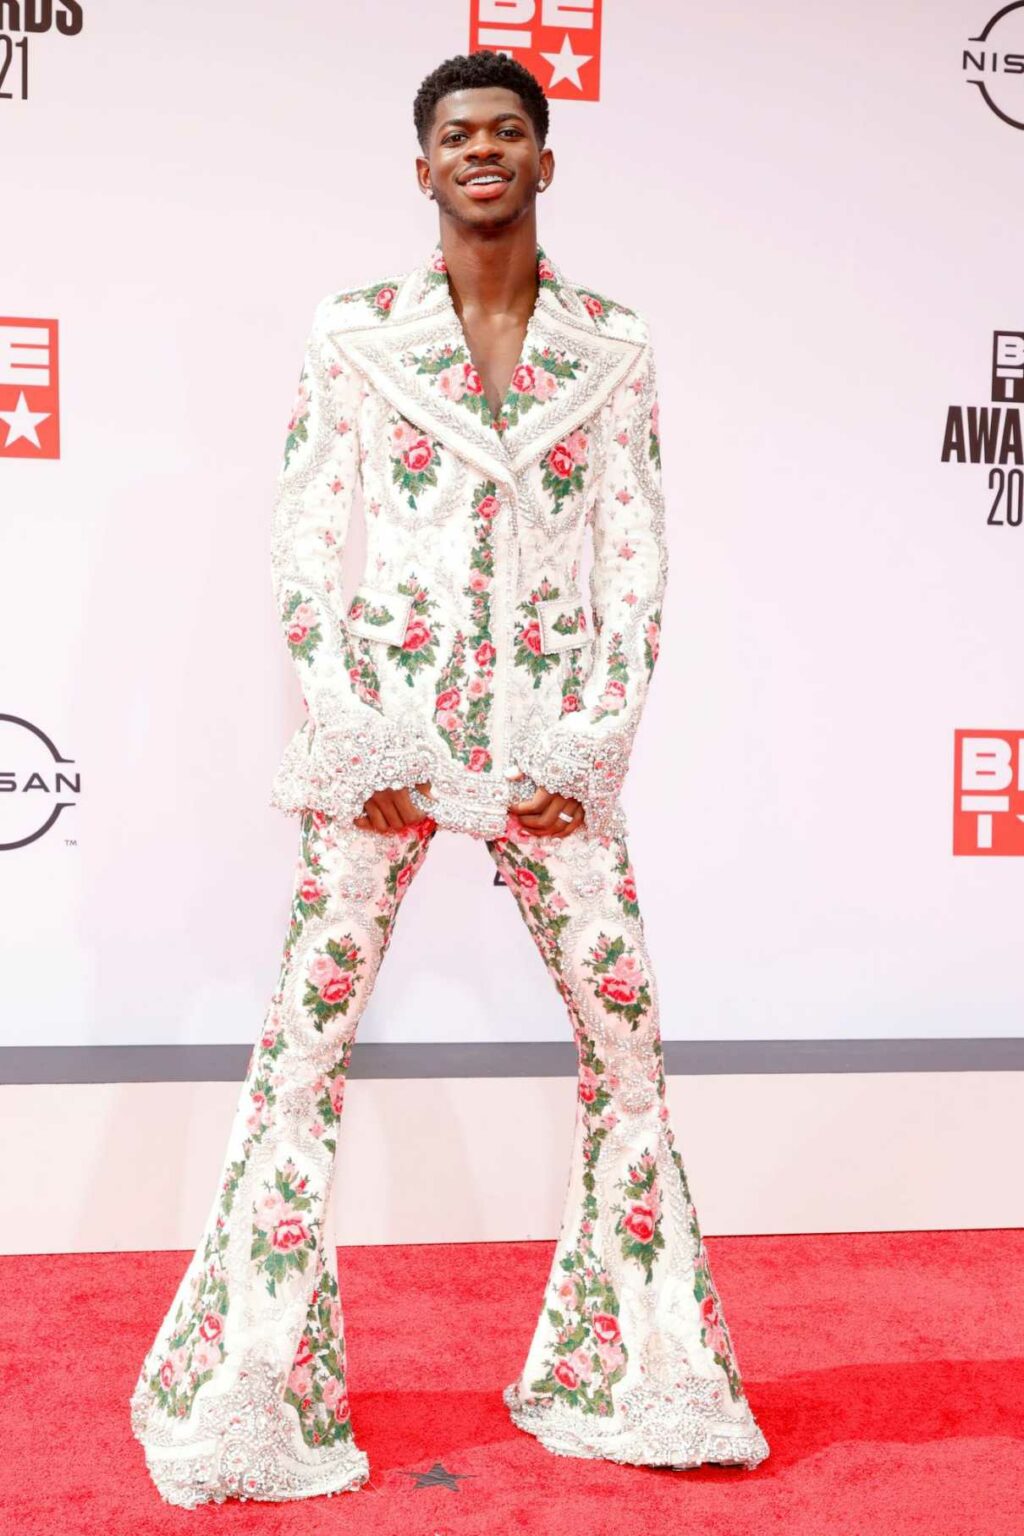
450	138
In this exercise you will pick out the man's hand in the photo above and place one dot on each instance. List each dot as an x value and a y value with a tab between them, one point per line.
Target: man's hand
389	810
539	815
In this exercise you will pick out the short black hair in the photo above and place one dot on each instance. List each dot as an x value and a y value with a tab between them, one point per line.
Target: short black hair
469	71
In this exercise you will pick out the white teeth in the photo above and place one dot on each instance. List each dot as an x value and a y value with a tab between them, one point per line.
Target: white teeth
484	181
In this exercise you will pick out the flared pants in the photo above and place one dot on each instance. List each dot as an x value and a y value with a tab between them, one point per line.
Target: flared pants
244	1393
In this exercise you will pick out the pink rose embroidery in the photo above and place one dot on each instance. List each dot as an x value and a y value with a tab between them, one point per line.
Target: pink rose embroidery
338	988
627	968
606	1327
619	991
560	460
577	445
417	635
418	455
290	1233
451	382
639	1221
565	1374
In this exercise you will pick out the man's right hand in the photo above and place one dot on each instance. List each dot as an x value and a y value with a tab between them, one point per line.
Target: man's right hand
389	810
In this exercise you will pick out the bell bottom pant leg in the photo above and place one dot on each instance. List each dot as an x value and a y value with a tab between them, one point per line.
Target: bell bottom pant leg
631	1359
243	1393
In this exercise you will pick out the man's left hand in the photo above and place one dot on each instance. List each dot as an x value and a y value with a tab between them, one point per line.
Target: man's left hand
539	814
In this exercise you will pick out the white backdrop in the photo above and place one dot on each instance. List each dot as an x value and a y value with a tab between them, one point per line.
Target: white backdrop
815	212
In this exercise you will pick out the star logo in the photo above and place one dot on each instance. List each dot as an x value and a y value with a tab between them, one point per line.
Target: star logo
438	1477
558	41
29	403
566	65
21	422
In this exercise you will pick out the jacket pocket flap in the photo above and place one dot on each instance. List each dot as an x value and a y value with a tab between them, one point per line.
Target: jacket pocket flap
379	614
563	623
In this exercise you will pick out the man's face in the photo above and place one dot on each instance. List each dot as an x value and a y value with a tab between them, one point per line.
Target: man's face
483	161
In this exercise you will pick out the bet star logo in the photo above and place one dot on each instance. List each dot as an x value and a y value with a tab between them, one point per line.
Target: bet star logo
559	41
29	396
21	423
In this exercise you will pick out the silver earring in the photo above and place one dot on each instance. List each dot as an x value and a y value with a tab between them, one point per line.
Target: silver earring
541	185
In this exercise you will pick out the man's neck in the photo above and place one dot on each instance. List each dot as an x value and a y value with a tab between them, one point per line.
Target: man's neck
493	273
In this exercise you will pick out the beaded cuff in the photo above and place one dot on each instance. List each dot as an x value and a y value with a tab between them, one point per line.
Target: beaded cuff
336	767
590	768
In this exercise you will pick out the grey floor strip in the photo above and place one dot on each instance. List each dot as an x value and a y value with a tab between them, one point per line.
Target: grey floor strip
228	1063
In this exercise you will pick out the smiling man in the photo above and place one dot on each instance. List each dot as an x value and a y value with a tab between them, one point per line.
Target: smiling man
491	412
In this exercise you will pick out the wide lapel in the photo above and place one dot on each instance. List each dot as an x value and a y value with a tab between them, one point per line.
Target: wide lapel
415	354
569	369
413	350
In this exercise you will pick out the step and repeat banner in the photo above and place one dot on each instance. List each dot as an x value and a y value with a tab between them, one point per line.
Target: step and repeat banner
817	210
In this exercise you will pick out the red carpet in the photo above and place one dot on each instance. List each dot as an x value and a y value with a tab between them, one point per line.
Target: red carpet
885	1369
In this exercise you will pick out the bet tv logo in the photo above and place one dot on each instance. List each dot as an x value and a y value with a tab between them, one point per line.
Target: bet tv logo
988	810
559	41
1008	366
29	403
993	435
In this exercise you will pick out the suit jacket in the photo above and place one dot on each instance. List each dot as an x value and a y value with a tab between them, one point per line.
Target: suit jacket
469	648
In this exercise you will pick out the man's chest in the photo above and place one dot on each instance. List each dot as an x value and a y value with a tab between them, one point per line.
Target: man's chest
495	348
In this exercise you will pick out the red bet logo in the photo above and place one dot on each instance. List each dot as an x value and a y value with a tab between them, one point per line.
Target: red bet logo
559	41
988	809
29	406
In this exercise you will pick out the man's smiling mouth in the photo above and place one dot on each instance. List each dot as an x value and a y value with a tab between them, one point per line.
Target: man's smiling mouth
484	184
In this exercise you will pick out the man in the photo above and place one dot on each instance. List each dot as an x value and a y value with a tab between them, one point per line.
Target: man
490	411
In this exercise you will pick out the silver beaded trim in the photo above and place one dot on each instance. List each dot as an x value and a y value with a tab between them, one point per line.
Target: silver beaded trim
337	765
681	1428
587	768
244	1444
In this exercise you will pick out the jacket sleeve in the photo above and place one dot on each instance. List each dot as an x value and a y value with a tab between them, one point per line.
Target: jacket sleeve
348	747
585	753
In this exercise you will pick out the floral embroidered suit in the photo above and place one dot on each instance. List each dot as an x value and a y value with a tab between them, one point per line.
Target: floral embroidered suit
467	647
